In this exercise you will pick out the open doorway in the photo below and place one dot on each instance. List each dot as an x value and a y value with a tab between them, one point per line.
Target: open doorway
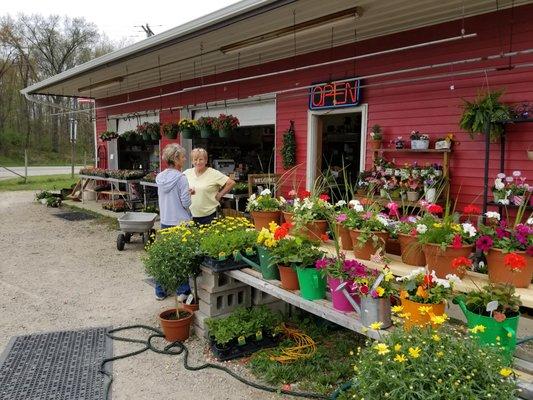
336	141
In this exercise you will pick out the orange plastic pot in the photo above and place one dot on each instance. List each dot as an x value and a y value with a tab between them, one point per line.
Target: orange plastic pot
263	218
343	234
366	250
499	273
415	318
288	278
373	144
175	329
288	217
315	230
411	250
392	246
441	260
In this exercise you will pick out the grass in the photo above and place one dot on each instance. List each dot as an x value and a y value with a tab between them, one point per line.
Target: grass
330	367
46	182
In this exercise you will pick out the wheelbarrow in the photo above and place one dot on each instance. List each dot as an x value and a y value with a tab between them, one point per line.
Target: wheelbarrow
135	222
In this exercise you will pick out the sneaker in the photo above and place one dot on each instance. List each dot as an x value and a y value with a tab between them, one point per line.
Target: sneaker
160	293
184	288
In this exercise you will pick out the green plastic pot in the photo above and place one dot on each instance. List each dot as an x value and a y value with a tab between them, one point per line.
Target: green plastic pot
205	132
187	133
505	330
268	269
312	283
224	133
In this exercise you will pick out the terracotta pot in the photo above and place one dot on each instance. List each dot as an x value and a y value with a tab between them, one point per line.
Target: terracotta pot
343	234
498	272
191	307
364	252
314	230
288	217
288	277
412	253
441	261
392	246
373	144
263	218
415	318
178	329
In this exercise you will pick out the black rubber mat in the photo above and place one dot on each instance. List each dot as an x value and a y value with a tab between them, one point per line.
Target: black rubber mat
55	366
75	216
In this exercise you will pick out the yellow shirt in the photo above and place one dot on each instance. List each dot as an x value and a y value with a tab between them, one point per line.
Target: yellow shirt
206	186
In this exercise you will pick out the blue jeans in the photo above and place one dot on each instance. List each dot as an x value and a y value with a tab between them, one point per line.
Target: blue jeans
184	288
205	220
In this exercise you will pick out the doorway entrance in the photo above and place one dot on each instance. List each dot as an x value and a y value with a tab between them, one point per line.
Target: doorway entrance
336	147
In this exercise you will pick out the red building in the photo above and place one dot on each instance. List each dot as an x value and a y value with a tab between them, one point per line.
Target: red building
414	63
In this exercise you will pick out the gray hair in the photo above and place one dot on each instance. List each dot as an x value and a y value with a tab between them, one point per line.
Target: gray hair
198	152
171	151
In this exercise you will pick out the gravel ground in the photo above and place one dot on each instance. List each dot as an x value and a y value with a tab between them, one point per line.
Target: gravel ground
60	275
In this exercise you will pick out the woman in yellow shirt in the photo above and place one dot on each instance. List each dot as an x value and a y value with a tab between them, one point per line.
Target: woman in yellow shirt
207	187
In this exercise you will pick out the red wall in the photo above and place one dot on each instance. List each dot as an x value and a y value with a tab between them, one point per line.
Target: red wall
428	106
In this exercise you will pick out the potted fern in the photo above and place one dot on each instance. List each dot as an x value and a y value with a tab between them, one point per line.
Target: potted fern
485	113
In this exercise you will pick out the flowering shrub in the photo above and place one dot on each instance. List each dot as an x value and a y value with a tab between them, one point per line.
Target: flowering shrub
263	202
423	287
225	122
423	364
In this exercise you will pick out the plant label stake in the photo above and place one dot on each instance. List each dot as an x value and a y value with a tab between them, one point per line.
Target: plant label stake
492	306
342	288
377	282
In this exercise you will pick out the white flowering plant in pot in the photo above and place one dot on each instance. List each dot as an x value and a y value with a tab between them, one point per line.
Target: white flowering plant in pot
264	202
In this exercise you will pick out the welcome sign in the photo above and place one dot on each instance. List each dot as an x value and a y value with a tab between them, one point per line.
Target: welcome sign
334	95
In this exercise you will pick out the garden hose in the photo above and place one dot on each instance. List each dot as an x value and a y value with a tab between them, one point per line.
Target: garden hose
181	348
523	340
305	346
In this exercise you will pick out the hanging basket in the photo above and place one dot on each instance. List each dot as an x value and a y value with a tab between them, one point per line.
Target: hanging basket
187	133
224	133
206	132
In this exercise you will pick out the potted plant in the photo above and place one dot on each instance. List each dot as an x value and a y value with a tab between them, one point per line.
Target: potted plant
520	190
266	241
399	143
342	233
171	130
143	132
492	314
225	124
131	136
485	114
154	130
291	254
414	187
205	124
423	296
368	230
171	259
419	141
264	209
410	249
188	128
288	149
311	216
501	190
108	135
444	143
376	136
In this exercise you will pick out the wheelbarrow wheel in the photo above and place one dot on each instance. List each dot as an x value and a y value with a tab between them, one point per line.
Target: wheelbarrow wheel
146	238
127	237
151	238
121	240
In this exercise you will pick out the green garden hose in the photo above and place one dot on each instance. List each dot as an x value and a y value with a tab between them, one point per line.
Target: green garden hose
181	348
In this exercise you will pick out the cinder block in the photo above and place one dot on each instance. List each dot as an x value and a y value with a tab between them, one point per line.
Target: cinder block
214	282
214	304
199	332
259	297
278	306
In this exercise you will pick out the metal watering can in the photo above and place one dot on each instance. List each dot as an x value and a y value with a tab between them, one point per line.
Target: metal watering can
496	333
371	310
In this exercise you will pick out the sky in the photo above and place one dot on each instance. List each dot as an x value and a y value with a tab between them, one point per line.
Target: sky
120	19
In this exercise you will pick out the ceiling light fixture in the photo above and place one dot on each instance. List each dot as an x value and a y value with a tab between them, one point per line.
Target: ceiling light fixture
101	85
307	27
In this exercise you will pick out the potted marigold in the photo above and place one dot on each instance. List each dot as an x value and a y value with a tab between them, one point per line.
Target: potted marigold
264	209
188	128
423	296
205	124
171	259
225	124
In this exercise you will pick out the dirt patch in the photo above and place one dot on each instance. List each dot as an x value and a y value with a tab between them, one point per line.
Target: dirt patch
59	275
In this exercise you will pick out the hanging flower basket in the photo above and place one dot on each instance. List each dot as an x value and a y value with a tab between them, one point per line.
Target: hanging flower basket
171	130
188	128
225	124
205	124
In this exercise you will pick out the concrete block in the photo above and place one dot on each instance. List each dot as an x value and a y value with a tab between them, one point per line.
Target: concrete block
199	332
259	297
214	282
214	304
278	306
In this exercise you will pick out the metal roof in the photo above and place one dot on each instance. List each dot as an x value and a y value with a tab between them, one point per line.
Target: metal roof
210	44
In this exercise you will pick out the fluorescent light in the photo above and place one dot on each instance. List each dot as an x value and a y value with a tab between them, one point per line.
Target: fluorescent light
307	27
102	84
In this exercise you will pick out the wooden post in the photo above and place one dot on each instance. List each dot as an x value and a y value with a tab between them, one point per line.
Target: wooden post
25	165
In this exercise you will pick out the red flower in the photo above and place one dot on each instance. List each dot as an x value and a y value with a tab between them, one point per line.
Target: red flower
515	262
428	280
456	242
435	209
363	289
324	237
461	264
471	209
280	232
303	194
413	232
324	197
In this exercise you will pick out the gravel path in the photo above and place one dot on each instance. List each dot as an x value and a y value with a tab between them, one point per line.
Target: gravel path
59	275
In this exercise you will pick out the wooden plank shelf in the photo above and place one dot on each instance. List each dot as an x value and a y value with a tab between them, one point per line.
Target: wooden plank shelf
412	150
322	308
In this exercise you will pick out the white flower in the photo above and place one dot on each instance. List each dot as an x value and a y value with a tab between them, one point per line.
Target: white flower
340	203
442	282
266	192
530	221
505	202
282	200
384	221
454	279
421	228
358	208
470	229
516	174
509	179
492	215
353	203
501	176
498	184
412	274
252	197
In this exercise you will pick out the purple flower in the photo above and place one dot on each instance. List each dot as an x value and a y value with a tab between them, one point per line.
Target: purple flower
322	263
484	243
501	233
342	217
374	294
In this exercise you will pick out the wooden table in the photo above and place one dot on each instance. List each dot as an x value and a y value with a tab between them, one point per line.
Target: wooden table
126	195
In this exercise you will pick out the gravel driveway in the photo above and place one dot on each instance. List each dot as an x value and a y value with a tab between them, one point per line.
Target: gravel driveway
59	275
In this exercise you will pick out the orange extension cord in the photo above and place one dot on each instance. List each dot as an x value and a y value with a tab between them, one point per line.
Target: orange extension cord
305	346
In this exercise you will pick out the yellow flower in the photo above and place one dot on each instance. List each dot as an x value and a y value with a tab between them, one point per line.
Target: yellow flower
272	226
436	338
405	315
400	358
478	329
376	325
437	225
184	240
397	347
382	349
440	354
414	352
456	227
221	254
424	309
388	277
505	372
439	319
397	309
380	291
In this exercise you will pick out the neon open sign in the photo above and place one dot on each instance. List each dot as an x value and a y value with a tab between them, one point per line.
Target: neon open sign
334	95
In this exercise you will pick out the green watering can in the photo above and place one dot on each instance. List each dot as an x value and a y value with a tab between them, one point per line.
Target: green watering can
312	283
268	270
505	331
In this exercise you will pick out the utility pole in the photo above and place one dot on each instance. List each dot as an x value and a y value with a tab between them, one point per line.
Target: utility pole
73	130
147	30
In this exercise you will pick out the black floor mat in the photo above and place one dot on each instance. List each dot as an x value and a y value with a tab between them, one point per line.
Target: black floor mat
75	216
55	366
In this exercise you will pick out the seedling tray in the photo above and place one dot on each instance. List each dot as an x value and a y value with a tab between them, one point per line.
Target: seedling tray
228	264
234	350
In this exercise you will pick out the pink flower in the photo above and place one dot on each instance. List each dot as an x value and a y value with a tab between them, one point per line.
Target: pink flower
393	209
456	242
374	294
501	175
509	179
342	217
484	243
516	174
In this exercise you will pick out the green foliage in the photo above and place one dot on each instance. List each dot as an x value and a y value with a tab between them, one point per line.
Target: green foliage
240	188
296	252
486	109
225	236
508	301
425	364
243	322
263	202
46	182
288	149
